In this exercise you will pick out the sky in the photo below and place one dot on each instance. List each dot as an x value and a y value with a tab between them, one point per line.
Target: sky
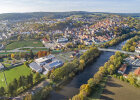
116	6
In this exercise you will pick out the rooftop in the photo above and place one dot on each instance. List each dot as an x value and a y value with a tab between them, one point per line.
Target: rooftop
137	71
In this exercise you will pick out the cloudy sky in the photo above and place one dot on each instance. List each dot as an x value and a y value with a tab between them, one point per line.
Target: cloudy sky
118	6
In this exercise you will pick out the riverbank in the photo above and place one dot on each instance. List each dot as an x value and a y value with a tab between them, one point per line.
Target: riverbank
72	88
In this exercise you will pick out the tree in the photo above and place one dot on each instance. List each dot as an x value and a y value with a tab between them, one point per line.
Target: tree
111	69
12	56
11	89
132	48
28	97
20	82
31	54
82	64
2	91
30	79
37	77
91	82
15	84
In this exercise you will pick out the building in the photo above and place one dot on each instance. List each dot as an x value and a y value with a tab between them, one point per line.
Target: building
132	57
46	64
54	64
62	40
34	66
137	50
137	71
1	66
122	69
43	60
44	40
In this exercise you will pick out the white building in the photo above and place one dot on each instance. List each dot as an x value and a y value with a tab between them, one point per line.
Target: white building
1	66
47	63
61	40
34	66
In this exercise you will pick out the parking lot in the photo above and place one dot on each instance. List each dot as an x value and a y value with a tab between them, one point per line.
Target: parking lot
135	62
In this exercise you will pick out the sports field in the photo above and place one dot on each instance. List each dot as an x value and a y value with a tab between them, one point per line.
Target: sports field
19	44
13	73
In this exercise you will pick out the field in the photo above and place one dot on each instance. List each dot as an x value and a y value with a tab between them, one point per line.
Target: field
19	44
119	90
13	73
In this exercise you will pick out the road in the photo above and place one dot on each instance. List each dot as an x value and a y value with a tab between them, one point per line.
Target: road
34	90
114	50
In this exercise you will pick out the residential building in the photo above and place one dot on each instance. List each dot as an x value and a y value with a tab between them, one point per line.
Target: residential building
122	69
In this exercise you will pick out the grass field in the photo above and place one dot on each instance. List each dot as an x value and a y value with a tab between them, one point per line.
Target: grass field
19	44
119	90
13	73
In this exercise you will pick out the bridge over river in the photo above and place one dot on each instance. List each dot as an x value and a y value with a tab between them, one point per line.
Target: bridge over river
114	50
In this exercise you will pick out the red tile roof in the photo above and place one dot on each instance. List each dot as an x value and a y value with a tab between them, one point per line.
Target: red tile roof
123	68
137	71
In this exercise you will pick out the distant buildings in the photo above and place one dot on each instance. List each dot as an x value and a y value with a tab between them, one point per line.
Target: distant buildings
46	63
62	40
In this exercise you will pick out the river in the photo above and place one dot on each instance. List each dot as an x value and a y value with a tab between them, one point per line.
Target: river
71	88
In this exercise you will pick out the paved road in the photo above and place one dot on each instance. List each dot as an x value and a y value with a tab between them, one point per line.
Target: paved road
34	90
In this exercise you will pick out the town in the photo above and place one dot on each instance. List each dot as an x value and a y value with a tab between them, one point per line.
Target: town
40	54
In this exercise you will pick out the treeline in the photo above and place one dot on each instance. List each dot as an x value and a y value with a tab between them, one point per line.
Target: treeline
131	78
109	68
131	44
117	40
69	69
19	85
56	26
40	95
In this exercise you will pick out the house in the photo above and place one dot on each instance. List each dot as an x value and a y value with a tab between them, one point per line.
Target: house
137	50
44	40
132	57
1	66
137	71
122	69
34	66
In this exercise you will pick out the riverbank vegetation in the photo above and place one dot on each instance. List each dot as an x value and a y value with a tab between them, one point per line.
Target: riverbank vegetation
69	69
119	39
131	44
109	68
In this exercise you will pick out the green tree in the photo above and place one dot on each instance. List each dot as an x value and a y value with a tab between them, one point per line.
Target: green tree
37	77
2	91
